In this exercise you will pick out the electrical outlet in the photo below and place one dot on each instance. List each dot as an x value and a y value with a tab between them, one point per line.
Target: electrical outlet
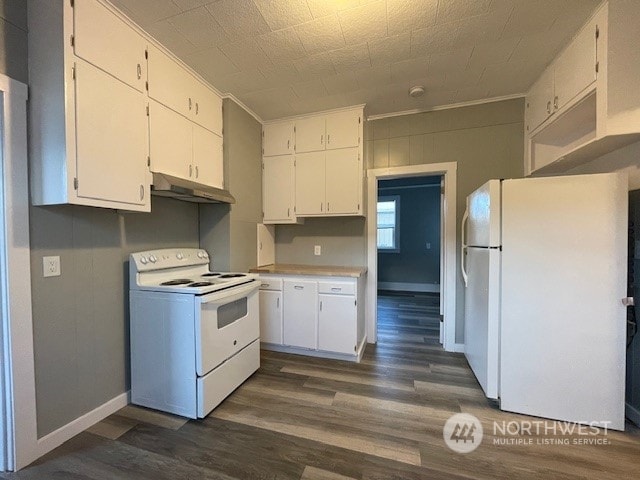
428	245
317	250
51	266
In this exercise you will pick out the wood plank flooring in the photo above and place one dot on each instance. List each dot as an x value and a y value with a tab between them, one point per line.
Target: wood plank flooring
315	419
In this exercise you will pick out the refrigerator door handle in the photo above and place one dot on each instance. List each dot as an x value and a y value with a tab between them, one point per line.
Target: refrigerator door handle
463	247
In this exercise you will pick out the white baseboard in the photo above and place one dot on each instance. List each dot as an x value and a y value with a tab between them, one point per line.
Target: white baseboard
633	414
409	287
80	424
458	347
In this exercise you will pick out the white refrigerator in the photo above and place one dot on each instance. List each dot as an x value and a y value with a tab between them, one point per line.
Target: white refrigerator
544	262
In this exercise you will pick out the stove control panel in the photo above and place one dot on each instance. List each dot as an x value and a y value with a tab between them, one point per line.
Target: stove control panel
168	258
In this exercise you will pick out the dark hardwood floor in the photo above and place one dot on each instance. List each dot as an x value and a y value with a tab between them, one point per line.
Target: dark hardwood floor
314	419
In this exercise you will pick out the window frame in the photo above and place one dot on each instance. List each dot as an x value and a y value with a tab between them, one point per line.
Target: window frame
396	228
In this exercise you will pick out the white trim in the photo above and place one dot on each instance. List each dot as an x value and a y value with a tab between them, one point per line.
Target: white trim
19	399
458	348
241	104
632	414
313	114
409	287
317	353
447	106
80	424
449	170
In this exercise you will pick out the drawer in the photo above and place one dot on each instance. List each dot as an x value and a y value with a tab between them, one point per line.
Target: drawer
270	284
337	288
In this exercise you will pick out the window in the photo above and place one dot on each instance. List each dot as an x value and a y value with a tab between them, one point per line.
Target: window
388	223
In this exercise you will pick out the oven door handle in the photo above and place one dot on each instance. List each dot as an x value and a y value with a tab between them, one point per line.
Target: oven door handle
227	296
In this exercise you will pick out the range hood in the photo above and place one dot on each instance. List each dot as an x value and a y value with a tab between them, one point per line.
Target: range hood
181	189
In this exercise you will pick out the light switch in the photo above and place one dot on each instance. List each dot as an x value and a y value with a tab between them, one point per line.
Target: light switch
51	266
428	245
317	250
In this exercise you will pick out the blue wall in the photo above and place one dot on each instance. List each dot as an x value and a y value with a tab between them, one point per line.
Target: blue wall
419	225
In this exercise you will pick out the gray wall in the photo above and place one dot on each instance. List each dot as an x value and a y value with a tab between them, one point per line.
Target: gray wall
419	224
13	39
222	226
80	319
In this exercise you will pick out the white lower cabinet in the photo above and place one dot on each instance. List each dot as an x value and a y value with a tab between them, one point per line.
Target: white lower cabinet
300	313
311	315
271	311
337	323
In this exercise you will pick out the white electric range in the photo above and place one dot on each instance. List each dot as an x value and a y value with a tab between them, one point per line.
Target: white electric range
194	334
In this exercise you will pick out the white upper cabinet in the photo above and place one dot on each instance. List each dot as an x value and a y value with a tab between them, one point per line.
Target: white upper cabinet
344	129
170	141
277	139
111	138
310	183
87	108
207	157
278	189
343	174
539	103
107	42
310	134
175	87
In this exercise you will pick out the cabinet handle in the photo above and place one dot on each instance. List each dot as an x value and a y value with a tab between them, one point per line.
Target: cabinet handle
197	108
288	143
298	287
278	302
139	72
190	170
328	207
549	106
321	206
288	212
320	306
141	192
328	139
189	103
322	139
197	171
555	102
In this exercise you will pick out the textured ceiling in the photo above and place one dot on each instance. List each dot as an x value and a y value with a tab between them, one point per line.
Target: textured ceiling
286	57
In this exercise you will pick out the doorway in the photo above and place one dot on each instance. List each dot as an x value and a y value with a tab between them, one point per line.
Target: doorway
446	302
409	261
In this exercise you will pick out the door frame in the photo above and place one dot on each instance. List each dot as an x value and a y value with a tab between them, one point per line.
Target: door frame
17	374
448	287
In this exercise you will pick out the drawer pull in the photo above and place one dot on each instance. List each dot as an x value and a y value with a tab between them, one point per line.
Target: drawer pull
265	285
320	306
298	287
336	289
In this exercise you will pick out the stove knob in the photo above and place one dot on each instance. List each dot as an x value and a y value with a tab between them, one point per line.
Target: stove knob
143	260
200	254
179	256
153	259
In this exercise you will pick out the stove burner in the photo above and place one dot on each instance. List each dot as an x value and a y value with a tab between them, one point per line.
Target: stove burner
179	281
232	275
211	274
199	284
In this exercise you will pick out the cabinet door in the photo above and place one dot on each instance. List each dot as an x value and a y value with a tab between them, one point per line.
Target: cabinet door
300	313
271	317
337	323
206	108
575	68
278	188
170	142
169	83
207	157
343	129
310	134
539	102
277	139
310	184
105	41
111	138
344	181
